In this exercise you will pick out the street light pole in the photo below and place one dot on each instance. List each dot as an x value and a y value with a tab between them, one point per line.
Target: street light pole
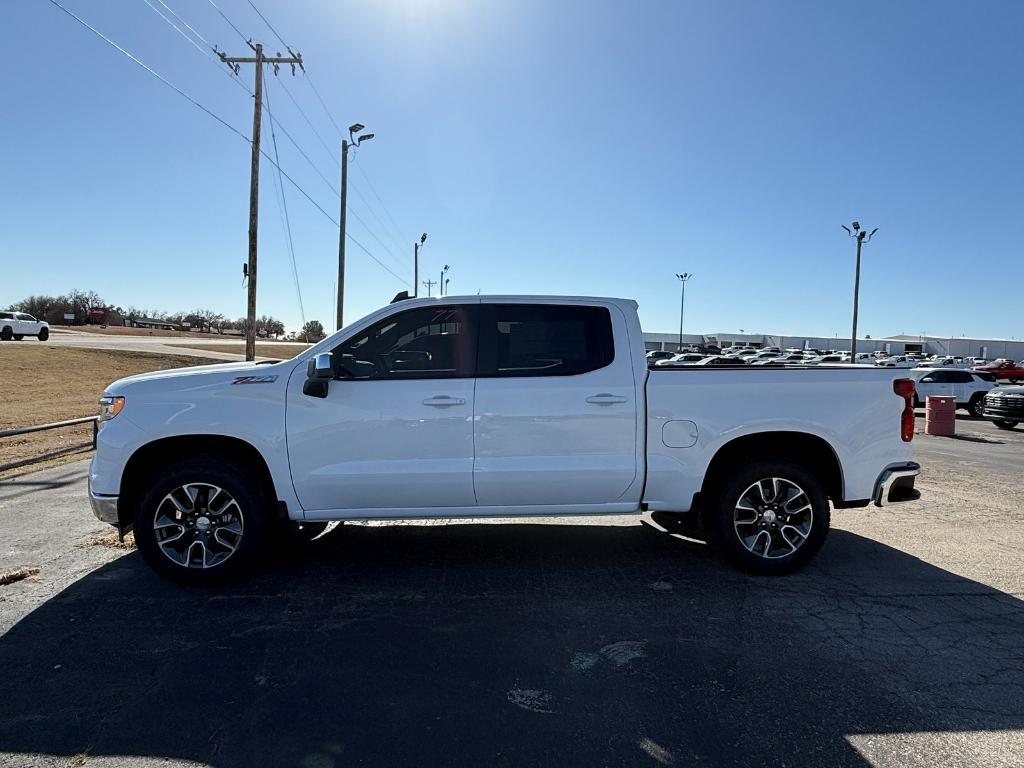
683	278
441	285
861	236
346	144
416	264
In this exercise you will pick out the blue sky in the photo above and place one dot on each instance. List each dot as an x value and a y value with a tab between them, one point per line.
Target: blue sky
546	147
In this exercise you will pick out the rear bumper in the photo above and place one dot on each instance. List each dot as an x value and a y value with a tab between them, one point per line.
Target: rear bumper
896	483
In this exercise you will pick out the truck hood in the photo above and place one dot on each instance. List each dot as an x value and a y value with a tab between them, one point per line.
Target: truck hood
199	375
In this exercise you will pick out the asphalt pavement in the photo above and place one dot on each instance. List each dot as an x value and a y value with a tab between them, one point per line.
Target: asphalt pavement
544	642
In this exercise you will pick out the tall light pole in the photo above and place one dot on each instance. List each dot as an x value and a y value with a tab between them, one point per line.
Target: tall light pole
346	144
416	264
683	278
441	285
861	236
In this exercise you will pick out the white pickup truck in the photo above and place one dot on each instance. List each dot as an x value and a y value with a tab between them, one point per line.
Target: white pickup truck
494	406
18	325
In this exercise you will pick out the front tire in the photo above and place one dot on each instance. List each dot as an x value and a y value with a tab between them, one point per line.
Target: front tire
44	334
202	520
769	517
977	406
1004	423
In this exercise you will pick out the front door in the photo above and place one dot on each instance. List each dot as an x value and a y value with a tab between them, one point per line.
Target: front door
555	418
395	431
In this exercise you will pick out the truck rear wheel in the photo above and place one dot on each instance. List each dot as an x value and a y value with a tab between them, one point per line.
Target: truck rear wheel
6	334
202	520
769	517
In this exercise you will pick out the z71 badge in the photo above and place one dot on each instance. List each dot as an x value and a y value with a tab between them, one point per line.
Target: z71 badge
255	379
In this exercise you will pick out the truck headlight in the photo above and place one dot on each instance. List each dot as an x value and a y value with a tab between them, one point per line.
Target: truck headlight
110	406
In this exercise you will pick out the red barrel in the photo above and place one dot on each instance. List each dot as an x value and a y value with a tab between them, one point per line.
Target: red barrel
940	415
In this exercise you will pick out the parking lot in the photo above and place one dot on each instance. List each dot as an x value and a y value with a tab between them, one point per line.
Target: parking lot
541	642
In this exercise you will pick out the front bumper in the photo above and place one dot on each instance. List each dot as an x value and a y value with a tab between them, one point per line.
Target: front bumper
896	483
104	507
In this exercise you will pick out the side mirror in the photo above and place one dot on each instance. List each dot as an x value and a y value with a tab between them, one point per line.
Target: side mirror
319	372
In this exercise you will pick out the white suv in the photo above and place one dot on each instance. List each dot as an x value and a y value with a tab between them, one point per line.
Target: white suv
968	387
18	325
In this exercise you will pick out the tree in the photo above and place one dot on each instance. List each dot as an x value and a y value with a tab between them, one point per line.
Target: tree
312	331
37	306
242	324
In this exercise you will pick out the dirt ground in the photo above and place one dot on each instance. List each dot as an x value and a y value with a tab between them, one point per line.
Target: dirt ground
40	384
280	351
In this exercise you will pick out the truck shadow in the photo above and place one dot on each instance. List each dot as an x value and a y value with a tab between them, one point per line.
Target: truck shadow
513	645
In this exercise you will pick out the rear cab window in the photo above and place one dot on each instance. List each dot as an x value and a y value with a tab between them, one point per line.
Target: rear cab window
517	340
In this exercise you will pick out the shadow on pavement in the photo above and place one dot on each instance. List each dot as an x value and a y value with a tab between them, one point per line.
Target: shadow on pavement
513	645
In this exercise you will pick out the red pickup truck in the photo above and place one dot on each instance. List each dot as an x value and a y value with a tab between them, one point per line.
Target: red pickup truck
1004	369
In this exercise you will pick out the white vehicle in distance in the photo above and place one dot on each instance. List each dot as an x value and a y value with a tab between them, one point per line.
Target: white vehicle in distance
865	358
968	387
896	361
826	360
18	325
657	354
496	406
684	358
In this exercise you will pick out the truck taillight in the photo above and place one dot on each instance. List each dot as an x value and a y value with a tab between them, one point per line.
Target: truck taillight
905	389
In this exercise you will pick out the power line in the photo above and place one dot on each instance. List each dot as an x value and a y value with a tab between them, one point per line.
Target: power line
377	195
287	219
230	23
223	122
309	122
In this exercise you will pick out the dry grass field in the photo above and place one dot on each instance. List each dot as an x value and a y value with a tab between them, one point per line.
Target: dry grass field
40	384
120	330
277	351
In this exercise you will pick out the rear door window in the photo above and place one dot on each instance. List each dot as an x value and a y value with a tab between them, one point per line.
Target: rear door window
543	340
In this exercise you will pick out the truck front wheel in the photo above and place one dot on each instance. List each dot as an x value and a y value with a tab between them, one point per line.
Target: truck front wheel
769	518
44	334
202	520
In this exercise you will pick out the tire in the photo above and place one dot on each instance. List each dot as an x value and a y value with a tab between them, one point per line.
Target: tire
19	336
230	541
977	406
6	334
1004	423
44	334
769	482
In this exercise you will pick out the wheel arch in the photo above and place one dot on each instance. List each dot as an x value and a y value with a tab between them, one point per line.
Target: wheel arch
810	450
151	456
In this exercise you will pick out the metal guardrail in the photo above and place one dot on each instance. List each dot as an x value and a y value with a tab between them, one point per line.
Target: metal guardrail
56	425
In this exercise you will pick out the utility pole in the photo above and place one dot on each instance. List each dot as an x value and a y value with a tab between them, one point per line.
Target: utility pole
346	144
416	264
683	278
861	236
235	62
430	284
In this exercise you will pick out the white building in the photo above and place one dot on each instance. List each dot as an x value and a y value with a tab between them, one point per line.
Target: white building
958	346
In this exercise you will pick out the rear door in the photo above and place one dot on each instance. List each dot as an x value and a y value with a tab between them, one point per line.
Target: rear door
556	413
935	383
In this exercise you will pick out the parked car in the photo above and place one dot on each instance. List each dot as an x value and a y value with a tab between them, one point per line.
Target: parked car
826	360
1004	370
968	387
492	406
1004	406
658	354
734	361
18	325
686	358
896	361
864	358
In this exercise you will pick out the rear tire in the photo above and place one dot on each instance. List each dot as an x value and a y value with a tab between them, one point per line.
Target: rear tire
44	334
202	520
6	334
1004	423
768	517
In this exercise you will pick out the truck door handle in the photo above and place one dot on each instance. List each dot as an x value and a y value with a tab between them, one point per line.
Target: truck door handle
605	398
444	400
